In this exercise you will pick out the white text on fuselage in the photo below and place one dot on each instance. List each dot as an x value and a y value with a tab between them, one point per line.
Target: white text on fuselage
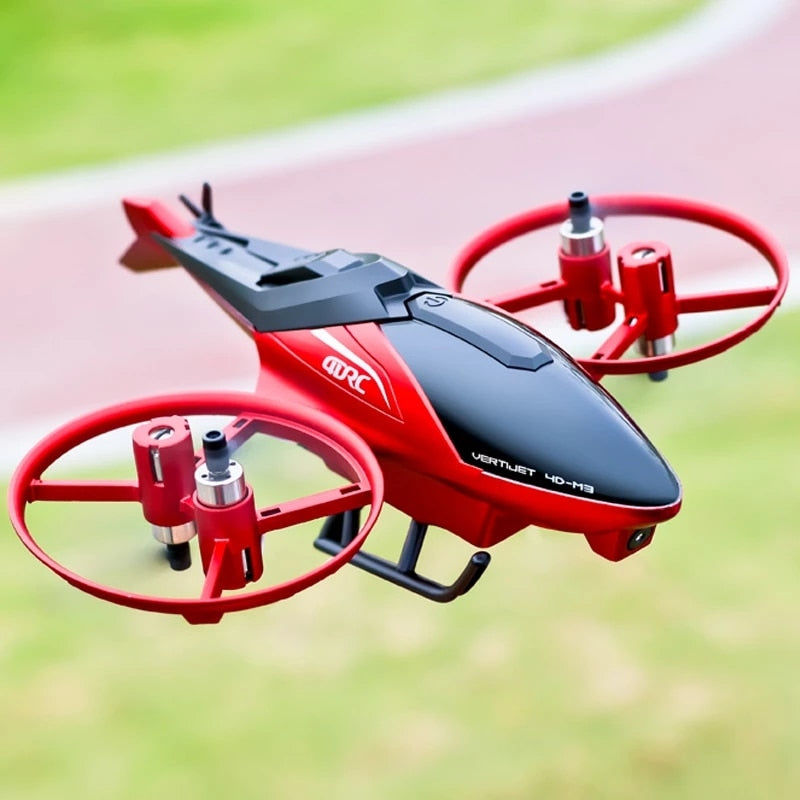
521	469
346	373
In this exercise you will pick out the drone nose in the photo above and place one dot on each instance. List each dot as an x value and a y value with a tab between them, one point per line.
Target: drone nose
516	406
641	476
590	439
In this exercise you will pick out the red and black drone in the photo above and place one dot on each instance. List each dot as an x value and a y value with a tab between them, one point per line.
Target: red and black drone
452	410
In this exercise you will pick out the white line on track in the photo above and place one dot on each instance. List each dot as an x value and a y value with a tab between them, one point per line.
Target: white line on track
716	27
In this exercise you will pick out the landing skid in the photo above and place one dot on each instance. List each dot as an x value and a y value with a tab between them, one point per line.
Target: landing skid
337	531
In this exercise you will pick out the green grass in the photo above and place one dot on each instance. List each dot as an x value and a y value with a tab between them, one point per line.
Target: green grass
90	81
672	674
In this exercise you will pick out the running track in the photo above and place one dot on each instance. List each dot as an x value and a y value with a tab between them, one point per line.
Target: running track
79	331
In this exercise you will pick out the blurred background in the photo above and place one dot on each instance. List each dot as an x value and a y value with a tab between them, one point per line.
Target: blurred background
669	675
108	79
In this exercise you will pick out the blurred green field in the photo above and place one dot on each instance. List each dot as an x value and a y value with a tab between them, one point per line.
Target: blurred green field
96	80
673	674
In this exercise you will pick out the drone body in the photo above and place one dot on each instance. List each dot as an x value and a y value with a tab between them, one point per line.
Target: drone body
481	425
478	423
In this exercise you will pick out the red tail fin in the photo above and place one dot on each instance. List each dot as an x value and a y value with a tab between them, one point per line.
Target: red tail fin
148	217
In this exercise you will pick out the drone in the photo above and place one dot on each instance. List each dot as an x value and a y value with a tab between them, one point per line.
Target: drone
450	409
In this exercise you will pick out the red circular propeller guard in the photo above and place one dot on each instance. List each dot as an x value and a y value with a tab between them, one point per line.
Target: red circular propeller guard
322	435
646	205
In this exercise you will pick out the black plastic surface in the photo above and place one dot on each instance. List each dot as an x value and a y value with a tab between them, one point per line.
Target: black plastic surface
551	426
277	288
339	530
580	212
501	337
217	454
179	556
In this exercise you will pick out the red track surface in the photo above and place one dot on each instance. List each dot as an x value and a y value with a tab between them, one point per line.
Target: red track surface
79	331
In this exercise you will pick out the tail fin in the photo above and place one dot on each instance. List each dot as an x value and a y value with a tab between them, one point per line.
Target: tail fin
146	218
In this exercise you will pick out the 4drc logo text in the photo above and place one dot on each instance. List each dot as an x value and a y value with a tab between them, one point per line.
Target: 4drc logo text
342	371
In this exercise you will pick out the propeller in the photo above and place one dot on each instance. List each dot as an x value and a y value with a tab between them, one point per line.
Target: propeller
183	494
645	288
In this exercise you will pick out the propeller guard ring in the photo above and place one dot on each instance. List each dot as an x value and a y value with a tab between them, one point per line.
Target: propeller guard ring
657	206
319	433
